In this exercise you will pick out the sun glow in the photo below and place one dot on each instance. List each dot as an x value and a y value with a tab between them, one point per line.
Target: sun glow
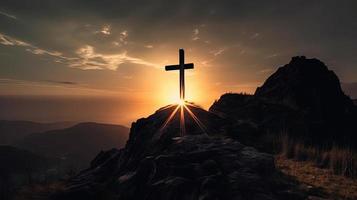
182	108
181	102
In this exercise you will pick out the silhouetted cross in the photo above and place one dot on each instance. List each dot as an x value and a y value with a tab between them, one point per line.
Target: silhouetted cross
181	66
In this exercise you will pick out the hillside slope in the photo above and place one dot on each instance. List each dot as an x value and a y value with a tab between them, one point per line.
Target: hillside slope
303	99
159	163
77	144
11	131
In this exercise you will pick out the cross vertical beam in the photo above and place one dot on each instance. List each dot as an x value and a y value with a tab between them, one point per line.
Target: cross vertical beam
182	73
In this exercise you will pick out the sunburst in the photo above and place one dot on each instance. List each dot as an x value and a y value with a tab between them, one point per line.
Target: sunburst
183	106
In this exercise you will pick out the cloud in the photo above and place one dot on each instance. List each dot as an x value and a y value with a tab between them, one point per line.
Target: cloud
218	52
195	36
10	41
127	26
69	86
264	71
87	58
255	35
272	56
38	51
106	30
26	82
123	36
8	15
90	59
122	39
62	82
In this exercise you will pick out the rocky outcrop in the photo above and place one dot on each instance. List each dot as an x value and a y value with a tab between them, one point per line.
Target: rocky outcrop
159	162
253	118
302	99
308	85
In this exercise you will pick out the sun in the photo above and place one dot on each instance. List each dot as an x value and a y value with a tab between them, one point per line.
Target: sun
181	102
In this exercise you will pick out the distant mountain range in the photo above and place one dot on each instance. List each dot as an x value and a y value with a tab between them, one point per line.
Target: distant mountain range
11	131
39	154
77	144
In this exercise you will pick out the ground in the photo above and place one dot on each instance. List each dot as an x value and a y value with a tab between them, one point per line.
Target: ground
320	182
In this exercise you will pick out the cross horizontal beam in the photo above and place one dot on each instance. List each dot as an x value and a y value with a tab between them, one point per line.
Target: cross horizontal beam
177	67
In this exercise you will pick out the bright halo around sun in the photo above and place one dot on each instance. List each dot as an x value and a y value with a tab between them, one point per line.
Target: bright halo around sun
181	102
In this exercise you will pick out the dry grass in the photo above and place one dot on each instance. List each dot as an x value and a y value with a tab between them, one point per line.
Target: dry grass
340	160
333	186
39	191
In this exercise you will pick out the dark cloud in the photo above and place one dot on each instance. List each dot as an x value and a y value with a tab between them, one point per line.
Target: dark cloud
97	47
61	82
230	39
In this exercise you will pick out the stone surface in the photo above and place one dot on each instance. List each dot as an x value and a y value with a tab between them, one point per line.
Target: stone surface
308	85
162	164
302	99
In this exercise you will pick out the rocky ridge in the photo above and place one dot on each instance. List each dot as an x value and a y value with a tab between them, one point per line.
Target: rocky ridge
202	164
302	99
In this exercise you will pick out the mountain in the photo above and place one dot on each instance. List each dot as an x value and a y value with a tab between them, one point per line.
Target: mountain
16	161
11	131
161	161
253	118
308	85
20	167
302	99
77	144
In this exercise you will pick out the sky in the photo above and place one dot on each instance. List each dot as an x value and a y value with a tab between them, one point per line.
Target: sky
103	60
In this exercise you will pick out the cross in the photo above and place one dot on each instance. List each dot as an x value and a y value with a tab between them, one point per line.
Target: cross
181	66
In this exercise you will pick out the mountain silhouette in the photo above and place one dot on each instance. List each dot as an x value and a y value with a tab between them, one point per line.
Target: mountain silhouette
310	86
160	163
11	131
77	144
17	161
303	99
210	156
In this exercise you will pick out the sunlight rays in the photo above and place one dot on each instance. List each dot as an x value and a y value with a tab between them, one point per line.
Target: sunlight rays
182	105
195	118
169	118
182	120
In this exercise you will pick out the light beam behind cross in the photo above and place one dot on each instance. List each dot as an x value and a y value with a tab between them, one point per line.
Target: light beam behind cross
181	66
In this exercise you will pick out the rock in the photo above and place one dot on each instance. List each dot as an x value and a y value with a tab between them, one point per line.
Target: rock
210	168
161	163
302	99
308	85
255	117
